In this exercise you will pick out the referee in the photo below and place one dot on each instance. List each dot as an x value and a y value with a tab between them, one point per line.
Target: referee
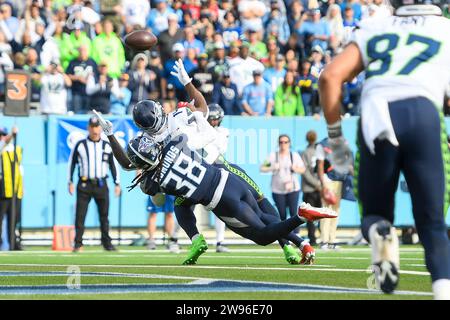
93	157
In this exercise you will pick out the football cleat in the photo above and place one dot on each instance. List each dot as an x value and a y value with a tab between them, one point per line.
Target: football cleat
385	255
308	254
291	255
198	247
311	213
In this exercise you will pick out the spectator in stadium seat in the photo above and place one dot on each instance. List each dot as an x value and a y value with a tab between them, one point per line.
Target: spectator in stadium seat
28	24
288	99
355	5
191	42
157	19
296	15
6	64
257	97
135	12
257	48
202	79
336	23
142	81
230	29
177	8
317	58
349	17
74	41
54	83
315	31
99	87
242	67
217	64
251	13
11	22
155	66
208	39
78	71
169	37
178	52
201	27
32	65
120	100
107	47
226	95
307	82
278	21
275	75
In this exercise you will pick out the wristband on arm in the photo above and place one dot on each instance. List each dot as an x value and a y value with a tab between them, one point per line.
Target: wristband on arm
334	130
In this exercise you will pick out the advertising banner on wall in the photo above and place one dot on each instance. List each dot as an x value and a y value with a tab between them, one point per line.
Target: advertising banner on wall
70	131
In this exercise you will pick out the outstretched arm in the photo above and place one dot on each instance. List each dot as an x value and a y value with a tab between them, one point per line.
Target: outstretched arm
199	100
117	150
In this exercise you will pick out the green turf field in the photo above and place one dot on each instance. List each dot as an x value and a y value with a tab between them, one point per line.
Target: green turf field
246	272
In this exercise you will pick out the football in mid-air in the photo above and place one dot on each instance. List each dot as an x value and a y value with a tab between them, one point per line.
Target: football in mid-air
140	40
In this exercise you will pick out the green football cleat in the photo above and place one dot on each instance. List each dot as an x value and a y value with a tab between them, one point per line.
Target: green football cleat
198	247
291	255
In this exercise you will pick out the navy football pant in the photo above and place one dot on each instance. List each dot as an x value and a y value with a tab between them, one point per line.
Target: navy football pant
239	210
263	203
422	156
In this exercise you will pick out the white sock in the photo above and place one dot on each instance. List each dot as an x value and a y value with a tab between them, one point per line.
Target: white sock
441	289
195	236
220	230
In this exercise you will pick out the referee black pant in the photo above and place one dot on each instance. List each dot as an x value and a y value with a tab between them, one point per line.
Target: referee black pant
86	190
12	222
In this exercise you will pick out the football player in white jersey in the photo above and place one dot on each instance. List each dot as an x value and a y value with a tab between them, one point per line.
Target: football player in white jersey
406	59
149	116
211	152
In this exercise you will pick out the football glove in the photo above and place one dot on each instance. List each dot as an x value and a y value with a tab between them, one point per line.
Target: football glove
105	124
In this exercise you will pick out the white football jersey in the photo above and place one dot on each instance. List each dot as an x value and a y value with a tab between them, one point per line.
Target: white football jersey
193	124
405	56
217	147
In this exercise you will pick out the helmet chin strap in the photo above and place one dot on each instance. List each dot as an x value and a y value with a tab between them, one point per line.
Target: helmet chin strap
418	10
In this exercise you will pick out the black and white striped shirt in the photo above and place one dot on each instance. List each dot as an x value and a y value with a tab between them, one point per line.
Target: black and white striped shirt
93	159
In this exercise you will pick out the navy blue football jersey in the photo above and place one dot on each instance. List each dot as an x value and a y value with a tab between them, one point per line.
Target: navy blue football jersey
184	173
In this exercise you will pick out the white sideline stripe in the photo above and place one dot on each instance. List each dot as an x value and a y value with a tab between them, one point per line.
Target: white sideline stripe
302	268
355	250
205	281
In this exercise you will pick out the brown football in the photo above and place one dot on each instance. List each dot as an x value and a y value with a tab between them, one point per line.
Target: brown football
140	40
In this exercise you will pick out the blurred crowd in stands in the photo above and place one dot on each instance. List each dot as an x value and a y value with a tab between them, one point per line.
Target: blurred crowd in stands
253	57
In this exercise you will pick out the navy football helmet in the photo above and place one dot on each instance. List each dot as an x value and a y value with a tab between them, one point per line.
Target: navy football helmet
149	116
144	152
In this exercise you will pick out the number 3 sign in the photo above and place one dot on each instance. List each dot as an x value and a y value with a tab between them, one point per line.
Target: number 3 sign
18	90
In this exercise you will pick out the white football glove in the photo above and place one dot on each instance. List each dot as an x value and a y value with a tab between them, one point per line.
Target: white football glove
180	72
341	156
105	124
